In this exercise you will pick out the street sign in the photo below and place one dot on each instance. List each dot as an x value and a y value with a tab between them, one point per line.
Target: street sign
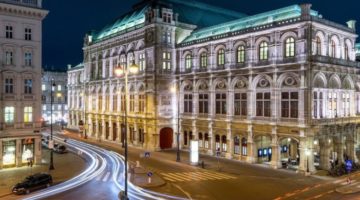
147	154
51	144
349	165
149	174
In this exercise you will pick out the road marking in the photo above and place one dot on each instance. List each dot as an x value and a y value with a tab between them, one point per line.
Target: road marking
338	181
186	193
106	177
195	176
99	177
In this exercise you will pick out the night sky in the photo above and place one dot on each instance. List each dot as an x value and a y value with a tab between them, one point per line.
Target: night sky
69	20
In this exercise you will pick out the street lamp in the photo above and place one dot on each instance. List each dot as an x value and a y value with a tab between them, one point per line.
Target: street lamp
51	142
124	72
176	90
307	153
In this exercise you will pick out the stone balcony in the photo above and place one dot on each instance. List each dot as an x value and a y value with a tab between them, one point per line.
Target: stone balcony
334	61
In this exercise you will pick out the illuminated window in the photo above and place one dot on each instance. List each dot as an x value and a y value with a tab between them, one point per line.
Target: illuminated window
244	147
332	49
166	61
290	47
223	144
236	145
221	57
264	51
203	60
59	87
318	45
9	114
142	63
141	103
43	87
240	54
188	62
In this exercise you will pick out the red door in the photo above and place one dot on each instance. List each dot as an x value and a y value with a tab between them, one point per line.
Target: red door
166	138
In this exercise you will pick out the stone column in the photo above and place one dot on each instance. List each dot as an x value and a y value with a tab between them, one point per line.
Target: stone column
136	135
275	157
250	145
324	153
339	148
306	161
111	129
230	143
18	153
303	159
118	131
37	151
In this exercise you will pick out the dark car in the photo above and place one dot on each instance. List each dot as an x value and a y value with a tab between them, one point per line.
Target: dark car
60	149
33	182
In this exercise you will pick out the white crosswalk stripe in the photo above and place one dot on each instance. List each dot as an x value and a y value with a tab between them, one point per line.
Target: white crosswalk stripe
195	176
106	177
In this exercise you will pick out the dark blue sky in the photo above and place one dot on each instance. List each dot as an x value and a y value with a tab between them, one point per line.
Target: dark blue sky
68	21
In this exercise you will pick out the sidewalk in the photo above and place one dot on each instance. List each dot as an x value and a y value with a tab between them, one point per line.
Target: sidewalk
9	177
210	163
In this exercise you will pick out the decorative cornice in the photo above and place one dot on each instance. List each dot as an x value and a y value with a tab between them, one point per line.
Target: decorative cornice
22	11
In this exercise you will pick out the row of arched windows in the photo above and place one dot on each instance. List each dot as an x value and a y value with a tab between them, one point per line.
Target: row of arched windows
263	54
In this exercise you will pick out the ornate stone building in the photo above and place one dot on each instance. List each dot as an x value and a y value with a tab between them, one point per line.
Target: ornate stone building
276	87
20	81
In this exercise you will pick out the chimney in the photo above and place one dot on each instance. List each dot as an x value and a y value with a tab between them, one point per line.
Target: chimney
352	24
305	9
69	66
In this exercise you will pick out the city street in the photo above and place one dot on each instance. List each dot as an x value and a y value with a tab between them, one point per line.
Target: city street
235	180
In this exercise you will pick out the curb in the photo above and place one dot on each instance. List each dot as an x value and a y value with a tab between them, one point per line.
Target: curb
5	195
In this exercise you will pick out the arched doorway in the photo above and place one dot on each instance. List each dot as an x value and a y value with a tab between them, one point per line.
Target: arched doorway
289	153
166	138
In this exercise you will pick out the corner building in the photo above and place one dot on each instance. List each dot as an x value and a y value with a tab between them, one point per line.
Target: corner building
277	87
20	81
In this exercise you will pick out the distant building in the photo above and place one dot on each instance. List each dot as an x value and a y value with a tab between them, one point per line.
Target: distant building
59	107
20	75
279	87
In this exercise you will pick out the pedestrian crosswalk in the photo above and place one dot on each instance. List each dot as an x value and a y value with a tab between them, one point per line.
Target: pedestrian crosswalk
104	177
195	176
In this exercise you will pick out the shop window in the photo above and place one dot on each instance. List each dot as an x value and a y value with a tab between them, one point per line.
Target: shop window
9	152
28	147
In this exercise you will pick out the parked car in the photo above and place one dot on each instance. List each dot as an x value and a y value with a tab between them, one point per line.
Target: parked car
60	149
33	182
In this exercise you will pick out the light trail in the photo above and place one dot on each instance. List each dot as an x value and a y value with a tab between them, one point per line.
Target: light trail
99	159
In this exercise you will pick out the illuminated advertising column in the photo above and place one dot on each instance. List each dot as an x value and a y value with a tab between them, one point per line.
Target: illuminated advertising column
194	152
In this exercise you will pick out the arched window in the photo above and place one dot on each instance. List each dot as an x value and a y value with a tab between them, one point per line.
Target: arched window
203	60
217	142
264	51
244	147
332	49
188	63
185	138
206	140
223	144
221	57
318	46
240	54
346	52
200	140
236	145
290	47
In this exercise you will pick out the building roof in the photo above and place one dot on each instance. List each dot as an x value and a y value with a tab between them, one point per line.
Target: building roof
191	12
248	22
79	66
